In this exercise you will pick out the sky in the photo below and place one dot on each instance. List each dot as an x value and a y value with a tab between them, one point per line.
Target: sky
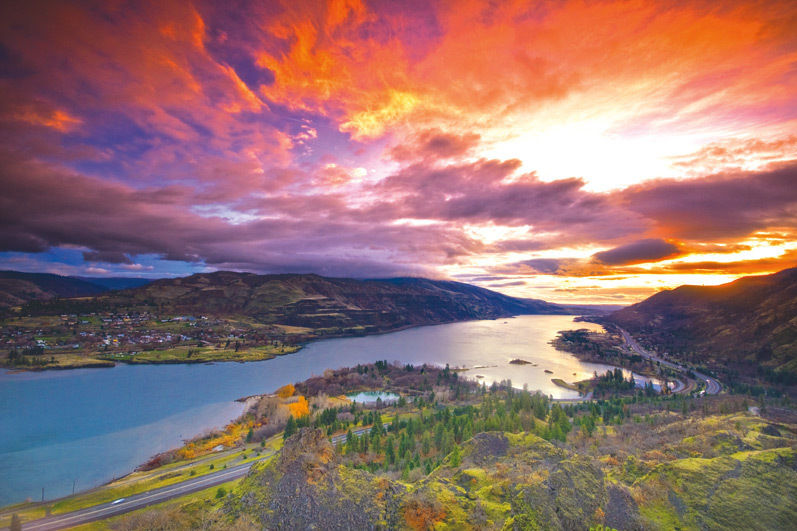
589	151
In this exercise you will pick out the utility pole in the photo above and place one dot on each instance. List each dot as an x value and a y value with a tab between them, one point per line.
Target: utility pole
74	482
42	494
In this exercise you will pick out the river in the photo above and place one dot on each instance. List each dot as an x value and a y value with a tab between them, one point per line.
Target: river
81	428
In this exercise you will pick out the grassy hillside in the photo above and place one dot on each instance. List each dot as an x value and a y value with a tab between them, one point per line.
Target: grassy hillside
310	300
747	323
18	288
226	316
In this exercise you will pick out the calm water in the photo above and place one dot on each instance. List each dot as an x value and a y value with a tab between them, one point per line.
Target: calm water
89	426
369	397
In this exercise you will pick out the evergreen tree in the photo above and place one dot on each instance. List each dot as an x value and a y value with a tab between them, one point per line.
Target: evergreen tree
290	428
456	456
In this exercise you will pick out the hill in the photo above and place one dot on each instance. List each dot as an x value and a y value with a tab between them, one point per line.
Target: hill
112	283
17	288
745	324
226	316
313	301
520	481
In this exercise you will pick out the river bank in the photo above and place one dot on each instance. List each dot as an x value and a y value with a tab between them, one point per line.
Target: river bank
90	426
188	354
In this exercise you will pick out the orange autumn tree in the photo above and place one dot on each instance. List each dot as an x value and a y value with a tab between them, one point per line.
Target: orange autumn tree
300	408
286	391
232	435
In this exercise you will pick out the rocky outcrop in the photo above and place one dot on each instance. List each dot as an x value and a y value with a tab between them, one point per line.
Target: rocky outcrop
306	488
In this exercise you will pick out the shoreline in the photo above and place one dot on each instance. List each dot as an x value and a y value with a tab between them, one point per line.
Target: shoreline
246	401
104	363
679	385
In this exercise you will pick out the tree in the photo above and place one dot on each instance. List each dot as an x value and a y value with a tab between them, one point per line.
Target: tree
290	427
390	451
286	391
456	456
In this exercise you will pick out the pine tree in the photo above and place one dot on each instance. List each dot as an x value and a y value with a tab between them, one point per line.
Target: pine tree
456	456
290	427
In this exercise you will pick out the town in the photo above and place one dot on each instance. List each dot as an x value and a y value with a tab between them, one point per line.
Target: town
99	339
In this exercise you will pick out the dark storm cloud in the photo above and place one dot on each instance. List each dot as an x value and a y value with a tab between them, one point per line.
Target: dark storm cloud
648	250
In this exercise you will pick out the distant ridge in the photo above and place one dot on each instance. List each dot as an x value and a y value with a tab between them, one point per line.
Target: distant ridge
112	283
17	288
312	301
751	321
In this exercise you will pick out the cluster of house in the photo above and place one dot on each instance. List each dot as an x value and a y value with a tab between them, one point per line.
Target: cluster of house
108	332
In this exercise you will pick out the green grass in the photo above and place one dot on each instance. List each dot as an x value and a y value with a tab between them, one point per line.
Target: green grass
566	385
205	498
206	354
138	482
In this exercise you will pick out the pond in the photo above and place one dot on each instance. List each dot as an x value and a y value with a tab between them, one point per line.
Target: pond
370	397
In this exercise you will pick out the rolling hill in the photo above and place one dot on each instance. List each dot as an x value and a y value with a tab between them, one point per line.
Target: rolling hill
17	288
313	301
751	321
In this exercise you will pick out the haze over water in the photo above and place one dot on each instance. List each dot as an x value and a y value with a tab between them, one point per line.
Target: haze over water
92	425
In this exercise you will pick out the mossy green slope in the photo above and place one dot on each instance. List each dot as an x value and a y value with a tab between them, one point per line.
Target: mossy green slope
520	481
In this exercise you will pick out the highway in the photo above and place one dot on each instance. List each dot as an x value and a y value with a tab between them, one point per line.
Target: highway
144	499
137	501
712	385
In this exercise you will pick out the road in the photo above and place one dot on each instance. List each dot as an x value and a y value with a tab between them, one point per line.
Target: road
712	385
137	501
144	499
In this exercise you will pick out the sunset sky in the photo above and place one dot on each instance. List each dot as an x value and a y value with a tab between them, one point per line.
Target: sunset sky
569	151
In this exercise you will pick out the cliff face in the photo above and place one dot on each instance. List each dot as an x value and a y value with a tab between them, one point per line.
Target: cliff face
306	488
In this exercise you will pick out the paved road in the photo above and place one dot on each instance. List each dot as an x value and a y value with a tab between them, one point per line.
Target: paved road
712	385
144	499
137	501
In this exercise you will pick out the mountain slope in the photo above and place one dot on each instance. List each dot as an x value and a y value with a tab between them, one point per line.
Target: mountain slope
316	302
111	283
750	321
17	288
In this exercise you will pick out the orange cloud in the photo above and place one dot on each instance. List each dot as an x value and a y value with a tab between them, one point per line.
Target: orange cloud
57	119
491	65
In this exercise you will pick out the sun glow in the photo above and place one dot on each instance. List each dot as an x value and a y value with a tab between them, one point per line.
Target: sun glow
590	150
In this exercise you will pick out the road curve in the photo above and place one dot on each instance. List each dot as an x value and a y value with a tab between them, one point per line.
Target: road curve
712	385
137	501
